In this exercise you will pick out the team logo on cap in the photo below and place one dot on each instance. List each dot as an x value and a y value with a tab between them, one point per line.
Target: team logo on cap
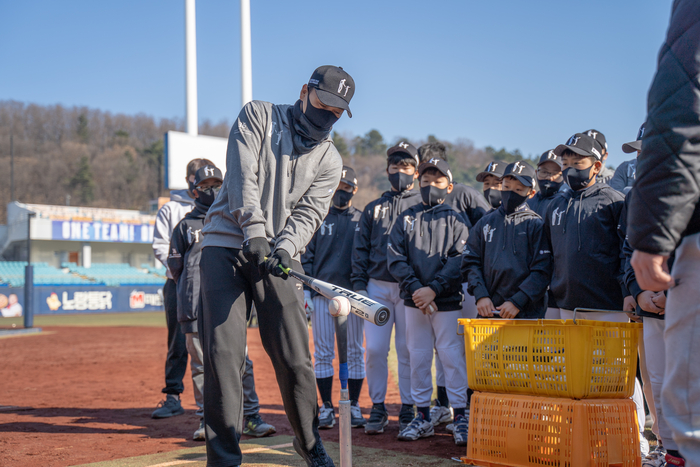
403	145
518	167
434	161
209	171
345	172
551	156
641	132
342	85
492	167
573	140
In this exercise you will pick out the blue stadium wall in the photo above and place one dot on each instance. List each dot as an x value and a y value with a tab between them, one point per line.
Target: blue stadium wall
50	300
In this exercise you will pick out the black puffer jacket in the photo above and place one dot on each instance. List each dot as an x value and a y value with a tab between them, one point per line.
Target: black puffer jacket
664	205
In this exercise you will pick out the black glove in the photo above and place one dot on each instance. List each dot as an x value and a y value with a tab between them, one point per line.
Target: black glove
279	257
256	249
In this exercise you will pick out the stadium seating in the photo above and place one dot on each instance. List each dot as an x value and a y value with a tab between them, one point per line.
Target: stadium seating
159	271
12	274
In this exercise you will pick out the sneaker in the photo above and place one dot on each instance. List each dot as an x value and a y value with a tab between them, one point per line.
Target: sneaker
317	457
255	426
674	461
418	428
656	458
643	445
406	416
169	407
326	416
440	414
460	430
378	419
450	427
356	418
199	434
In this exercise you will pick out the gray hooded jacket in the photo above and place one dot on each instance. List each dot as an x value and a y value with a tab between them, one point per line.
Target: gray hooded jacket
269	190
167	218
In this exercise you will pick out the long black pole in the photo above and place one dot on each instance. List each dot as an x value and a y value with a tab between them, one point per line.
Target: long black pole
12	167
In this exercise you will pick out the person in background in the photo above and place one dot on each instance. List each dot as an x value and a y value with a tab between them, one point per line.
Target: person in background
606	173
625	174
181	202
491	177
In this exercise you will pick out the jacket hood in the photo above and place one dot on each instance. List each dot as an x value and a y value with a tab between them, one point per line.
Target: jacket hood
181	196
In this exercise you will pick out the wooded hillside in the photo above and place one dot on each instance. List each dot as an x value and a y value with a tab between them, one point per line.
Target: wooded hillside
113	160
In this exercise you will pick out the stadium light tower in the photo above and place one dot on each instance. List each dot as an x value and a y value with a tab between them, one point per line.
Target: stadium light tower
246	55
191	68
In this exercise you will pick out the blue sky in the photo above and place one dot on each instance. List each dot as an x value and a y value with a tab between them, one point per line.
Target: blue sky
515	74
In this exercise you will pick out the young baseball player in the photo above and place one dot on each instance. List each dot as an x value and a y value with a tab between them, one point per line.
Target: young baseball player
581	226
328	258
491	178
371	277
424	255
183	263
606	173
514	235
626	172
472	205
181	202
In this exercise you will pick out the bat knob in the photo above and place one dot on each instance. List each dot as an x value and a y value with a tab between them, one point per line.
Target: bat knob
381	317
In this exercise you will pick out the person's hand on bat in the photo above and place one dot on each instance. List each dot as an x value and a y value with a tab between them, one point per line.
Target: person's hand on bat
508	310
423	297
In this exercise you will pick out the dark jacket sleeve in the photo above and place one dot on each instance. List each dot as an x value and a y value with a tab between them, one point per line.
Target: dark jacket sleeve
450	276
397	260
534	287
664	204
307	259
478	206
620	213
361	247
178	248
473	264
619	180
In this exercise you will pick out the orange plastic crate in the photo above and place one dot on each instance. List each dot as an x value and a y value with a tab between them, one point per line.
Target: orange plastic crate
552	358
524	431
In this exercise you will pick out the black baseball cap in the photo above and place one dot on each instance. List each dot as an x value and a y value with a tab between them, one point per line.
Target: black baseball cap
635	146
435	163
207	172
550	156
580	144
334	86
522	172
495	168
348	176
599	138
406	148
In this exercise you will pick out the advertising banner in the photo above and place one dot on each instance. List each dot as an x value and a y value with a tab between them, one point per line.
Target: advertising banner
101	232
82	299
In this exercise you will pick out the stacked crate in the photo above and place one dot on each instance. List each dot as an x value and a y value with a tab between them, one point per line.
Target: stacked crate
552	393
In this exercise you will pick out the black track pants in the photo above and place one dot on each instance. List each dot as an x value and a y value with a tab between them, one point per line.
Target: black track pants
230	284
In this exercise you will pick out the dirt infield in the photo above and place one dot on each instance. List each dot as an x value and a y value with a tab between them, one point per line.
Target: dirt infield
76	395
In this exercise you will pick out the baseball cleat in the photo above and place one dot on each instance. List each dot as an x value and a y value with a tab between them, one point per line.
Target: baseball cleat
170	407
356	418
418	428
406	416
378	419
199	434
255	426
326	416
316	457
460	431
440	414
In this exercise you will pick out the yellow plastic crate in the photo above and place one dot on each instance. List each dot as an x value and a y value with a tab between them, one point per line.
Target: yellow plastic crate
531	431
555	358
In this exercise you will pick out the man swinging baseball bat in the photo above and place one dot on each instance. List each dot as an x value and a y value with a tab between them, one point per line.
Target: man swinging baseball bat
282	170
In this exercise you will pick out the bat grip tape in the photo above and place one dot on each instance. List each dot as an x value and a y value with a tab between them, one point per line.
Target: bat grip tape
343	375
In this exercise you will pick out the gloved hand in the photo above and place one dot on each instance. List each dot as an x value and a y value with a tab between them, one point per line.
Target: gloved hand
308	303
362	292
256	249
280	257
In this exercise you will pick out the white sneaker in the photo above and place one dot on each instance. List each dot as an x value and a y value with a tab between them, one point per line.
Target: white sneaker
460	431
656	458
418	428
440	414
643	445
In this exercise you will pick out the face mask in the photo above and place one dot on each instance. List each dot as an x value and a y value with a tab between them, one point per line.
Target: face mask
400	181
342	198
323	119
577	179
548	187
493	197
208	196
432	195
305	135
512	201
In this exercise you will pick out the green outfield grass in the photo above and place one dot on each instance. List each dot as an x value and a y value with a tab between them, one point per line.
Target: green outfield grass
146	318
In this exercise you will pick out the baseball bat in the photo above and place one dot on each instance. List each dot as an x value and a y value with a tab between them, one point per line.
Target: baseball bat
362	306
